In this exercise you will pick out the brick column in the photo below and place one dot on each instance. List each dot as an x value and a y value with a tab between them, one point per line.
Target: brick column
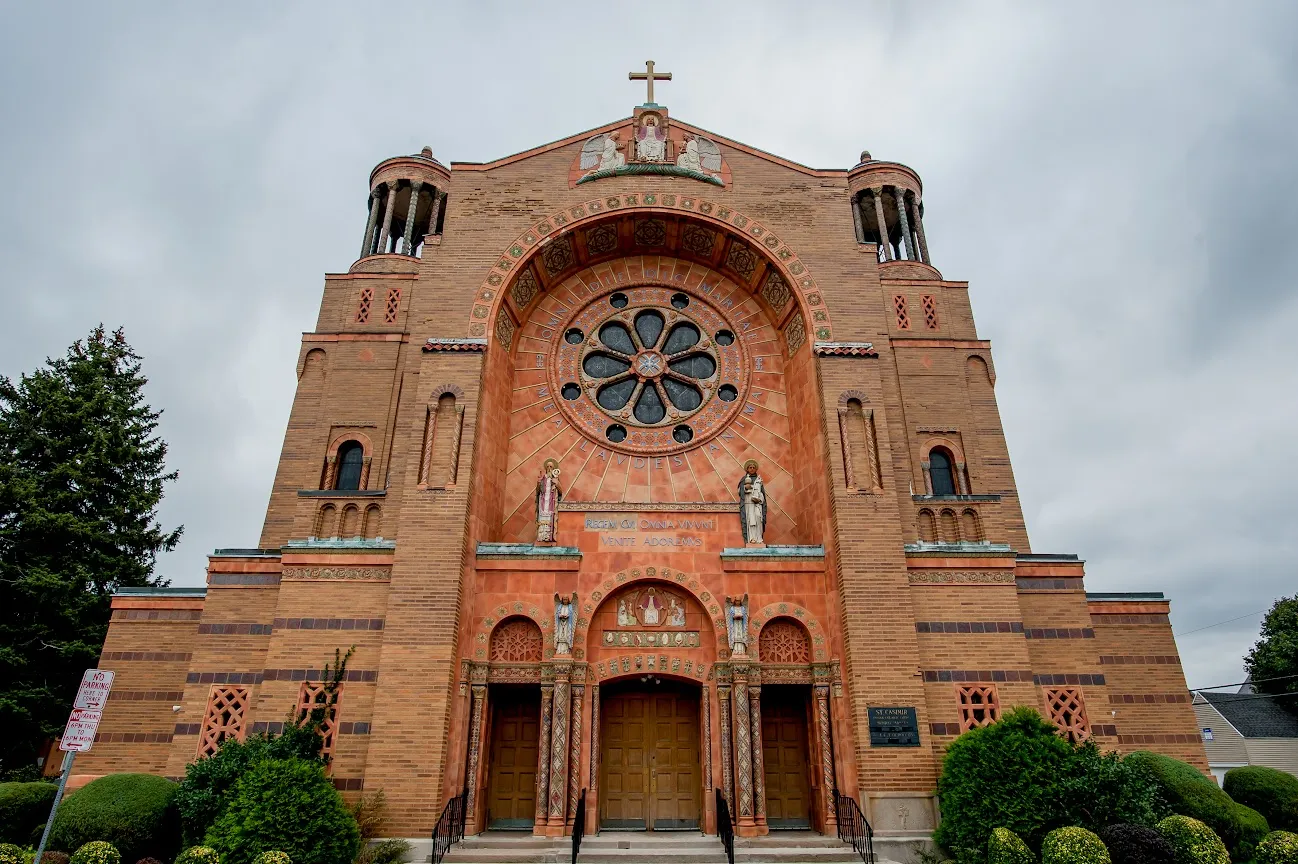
382	245
759	761
919	232
899	196
723	720
877	192
559	752
408	238
743	754
478	697
574	753
824	739
543	762
367	243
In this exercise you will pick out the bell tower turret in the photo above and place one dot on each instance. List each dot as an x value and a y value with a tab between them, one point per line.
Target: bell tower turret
407	202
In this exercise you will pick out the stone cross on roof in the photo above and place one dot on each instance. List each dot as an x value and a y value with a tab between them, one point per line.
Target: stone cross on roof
649	75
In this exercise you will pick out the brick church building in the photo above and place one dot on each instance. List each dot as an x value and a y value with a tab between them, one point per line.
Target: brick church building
636	466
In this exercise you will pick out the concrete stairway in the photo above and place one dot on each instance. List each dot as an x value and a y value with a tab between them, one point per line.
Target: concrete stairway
795	847
510	847
662	847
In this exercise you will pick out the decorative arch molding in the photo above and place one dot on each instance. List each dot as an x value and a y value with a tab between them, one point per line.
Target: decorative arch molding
519	254
848	395
367	448
663	665
773	611
446	389
703	594
482	638
930	444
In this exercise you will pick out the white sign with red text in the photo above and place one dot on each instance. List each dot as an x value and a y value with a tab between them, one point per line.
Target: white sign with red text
79	734
93	692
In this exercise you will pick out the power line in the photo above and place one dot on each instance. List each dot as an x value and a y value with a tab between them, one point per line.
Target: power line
1219	623
1242	683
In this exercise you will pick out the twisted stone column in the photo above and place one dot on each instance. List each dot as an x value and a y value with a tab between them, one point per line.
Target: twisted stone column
559	750
899	196
367	244
824	736
594	741
385	232
727	778
543	758
877	193
477	697
574	752
435	213
759	760
856	220
919	232
707	743
408	239
743	752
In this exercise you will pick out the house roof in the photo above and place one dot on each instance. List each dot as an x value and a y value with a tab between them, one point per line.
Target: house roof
1254	716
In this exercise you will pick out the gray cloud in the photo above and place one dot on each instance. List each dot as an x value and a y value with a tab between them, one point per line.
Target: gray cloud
1115	181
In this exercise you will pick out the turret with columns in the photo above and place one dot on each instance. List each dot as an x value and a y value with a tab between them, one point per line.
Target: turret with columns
888	209
407	202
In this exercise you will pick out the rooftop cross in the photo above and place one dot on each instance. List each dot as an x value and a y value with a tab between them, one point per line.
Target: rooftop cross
649	75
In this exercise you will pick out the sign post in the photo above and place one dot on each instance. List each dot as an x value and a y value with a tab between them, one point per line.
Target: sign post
78	735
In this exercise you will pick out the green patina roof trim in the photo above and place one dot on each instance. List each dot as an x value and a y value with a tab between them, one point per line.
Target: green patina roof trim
651	168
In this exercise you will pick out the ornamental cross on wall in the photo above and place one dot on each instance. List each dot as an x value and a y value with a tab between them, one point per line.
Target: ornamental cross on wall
649	75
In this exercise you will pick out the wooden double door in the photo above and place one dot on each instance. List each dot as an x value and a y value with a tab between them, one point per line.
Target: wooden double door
511	778
650	775
785	756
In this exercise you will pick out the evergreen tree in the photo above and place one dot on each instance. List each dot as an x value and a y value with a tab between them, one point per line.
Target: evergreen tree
81	475
1276	654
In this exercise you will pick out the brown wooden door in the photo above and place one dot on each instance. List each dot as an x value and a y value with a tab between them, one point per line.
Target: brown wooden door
650	777
784	752
515	731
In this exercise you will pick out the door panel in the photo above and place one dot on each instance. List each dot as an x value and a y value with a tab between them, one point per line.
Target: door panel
511	783
784	752
650	775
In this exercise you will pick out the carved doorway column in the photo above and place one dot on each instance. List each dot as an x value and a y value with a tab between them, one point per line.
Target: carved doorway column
478	699
825	744
723	721
743	753
759	766
543	760
559	751
574	754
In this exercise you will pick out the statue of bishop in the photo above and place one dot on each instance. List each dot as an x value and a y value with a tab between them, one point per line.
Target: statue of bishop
548	495
752	504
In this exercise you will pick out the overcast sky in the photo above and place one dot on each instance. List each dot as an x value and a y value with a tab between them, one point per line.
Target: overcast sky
1115	181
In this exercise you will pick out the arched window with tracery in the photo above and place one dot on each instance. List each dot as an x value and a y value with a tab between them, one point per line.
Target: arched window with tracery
941	472
517	640
784	641
351	459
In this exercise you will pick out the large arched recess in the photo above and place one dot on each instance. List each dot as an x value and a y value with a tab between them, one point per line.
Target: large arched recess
684	227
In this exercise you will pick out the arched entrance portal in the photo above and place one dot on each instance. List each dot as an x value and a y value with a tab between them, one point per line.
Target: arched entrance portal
651	772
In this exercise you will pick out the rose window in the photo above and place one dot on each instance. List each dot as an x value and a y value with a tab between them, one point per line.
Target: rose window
654	369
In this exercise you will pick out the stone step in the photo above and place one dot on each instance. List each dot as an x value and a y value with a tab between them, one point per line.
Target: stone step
510	847
684	847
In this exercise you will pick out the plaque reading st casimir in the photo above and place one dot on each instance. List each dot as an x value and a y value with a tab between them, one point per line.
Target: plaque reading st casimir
893	727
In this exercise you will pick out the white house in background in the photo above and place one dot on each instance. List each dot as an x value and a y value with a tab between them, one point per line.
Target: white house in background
1245	728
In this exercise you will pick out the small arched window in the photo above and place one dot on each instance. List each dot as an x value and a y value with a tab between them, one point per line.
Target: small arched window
939	469
351	457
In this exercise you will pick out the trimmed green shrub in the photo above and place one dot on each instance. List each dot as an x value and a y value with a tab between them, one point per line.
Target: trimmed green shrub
321	829
1272	793
11	854
198	855
134	812
1072	845
1189	792
390	851
1005	847
1136	844
1193	842
23	806
1278	847
273	857
1019	774
97	852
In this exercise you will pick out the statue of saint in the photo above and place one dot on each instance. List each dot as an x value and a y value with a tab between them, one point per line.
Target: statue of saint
752	504
675	614
737	625
649	609
548	495
625	615
564	623
650	140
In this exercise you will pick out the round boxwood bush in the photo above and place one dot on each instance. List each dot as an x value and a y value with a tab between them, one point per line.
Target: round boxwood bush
97	852
1136	844
320	831
1190	792
1005	847
1193	842
23	806
1073	845
11	854
274	857
1278	847
134	812
198	855
1272	793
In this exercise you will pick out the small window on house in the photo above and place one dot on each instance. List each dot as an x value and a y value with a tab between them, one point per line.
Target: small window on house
351	457
940	470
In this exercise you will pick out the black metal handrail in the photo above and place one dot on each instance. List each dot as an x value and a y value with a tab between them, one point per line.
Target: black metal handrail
578	826
725	830
853	827
450	827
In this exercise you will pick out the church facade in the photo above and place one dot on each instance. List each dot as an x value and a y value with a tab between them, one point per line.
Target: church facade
637	466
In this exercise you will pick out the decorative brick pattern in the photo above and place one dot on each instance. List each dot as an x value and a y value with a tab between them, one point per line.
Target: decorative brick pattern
1149	698
517	641
146	656
157	614
1067	710
1049	678
314	696
1139	660
928	303
328	623
134	737
146	695
363	307
969	627
1060	633
393	306
976	675
217	580
243	628
1129	619
899	309
979	706
783	641
1049	584
227	708
1157	738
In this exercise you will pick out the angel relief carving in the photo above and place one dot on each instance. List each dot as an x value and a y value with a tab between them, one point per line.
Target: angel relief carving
702	155
601	153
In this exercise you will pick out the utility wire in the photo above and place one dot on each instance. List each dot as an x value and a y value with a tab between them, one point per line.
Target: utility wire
1219	623
1242	683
